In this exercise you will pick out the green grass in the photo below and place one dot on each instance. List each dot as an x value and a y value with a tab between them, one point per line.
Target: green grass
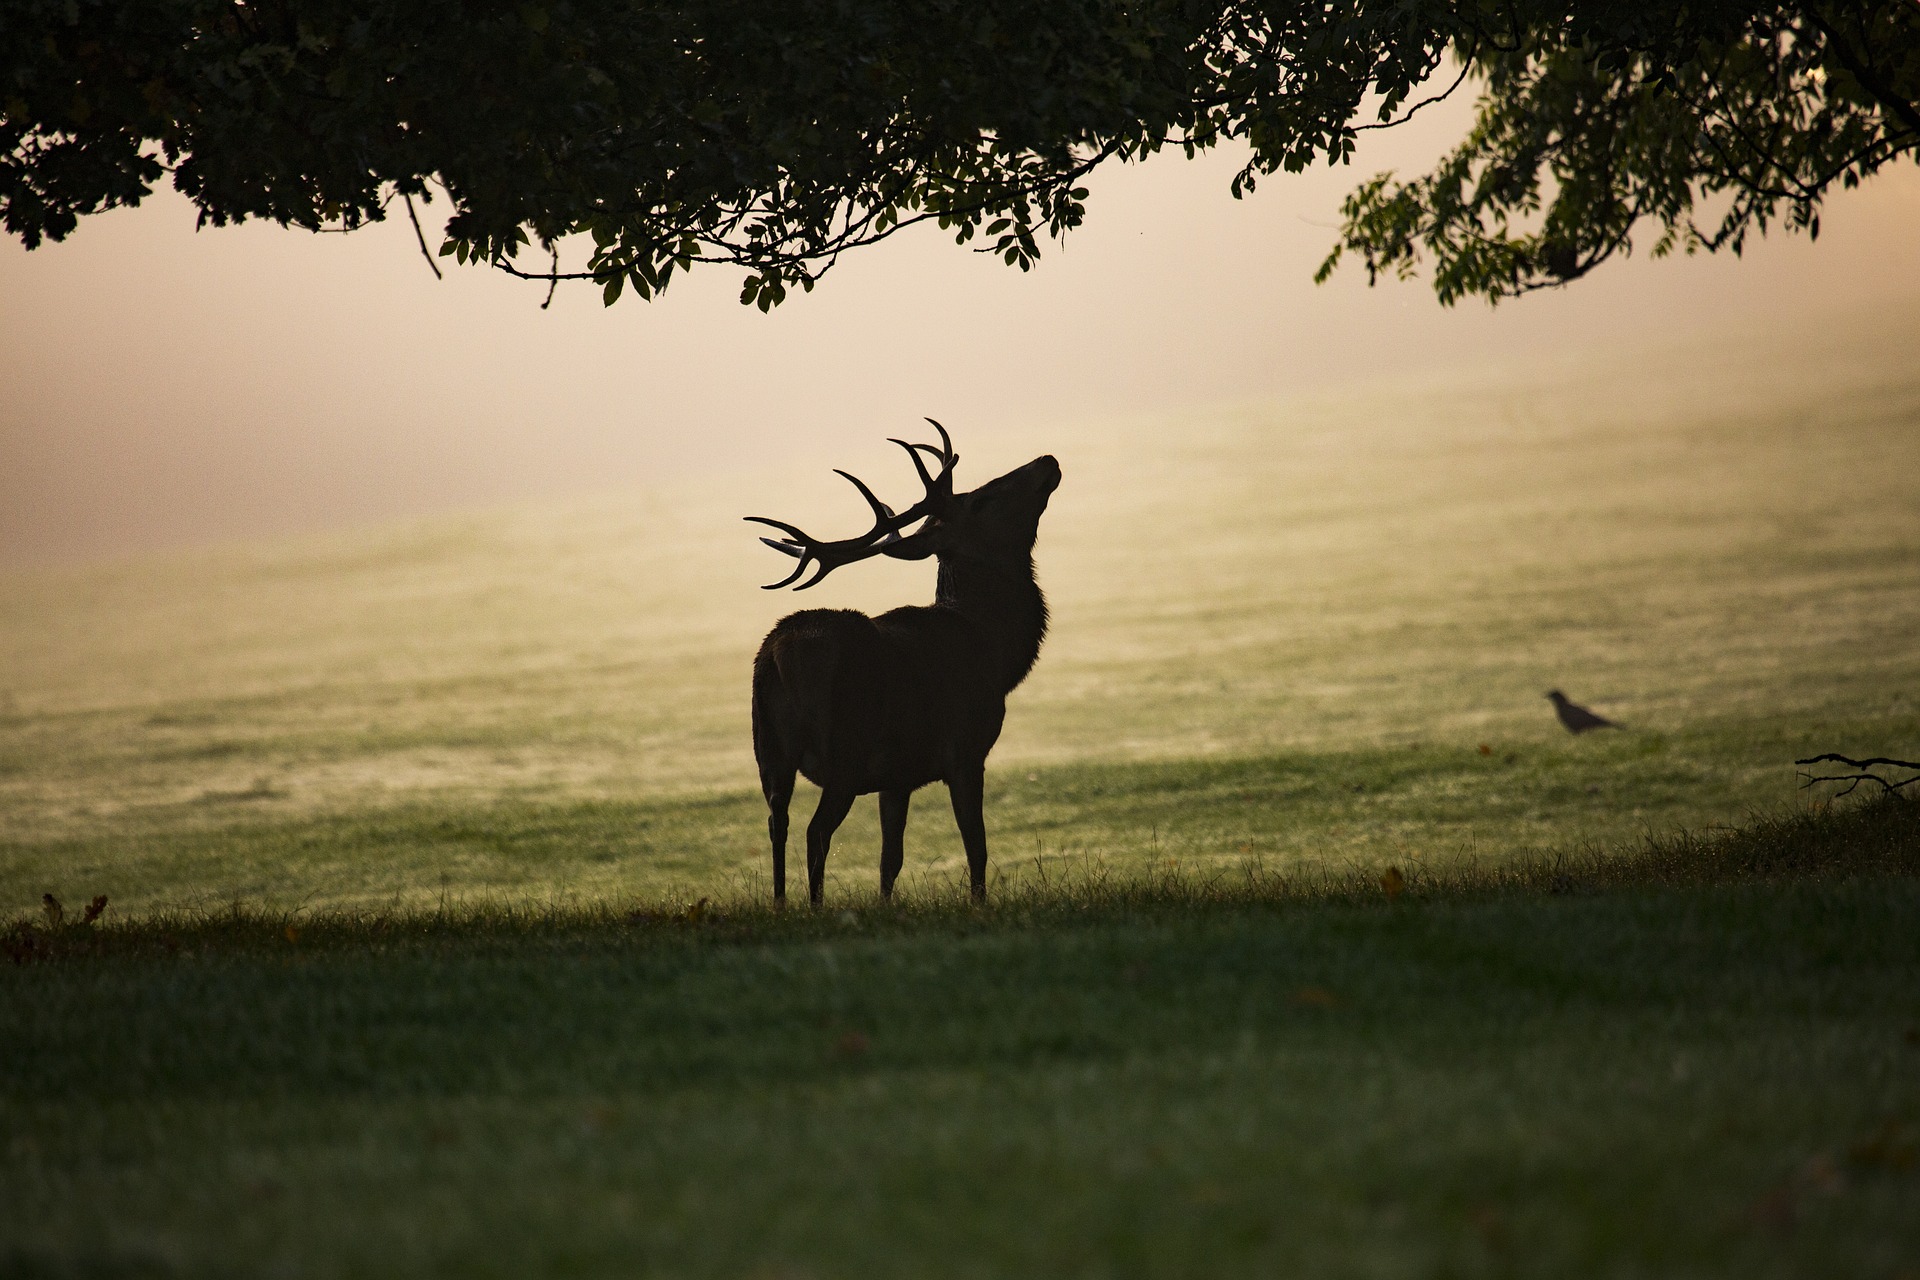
1700	1059
480	766
1419	806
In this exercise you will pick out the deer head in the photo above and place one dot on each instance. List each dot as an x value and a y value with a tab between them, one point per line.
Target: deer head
997	521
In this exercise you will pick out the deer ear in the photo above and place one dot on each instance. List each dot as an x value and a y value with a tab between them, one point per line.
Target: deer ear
916	546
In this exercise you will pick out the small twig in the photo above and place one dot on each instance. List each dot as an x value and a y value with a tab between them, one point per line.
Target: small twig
421	236
1466	66
553	281
1866	774
502	264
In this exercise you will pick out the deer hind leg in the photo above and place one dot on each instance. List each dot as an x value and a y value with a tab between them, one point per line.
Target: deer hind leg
893	837
778	789
827	817
967	787
778	762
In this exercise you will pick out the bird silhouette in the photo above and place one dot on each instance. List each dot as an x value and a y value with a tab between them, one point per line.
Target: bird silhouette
1576	717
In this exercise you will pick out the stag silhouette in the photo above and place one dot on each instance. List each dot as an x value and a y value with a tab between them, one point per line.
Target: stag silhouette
917	695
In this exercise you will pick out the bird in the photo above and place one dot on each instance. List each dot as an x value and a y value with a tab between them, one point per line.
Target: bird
1576	717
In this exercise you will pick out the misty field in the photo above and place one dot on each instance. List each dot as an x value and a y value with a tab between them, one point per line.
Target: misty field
403	833
1282	633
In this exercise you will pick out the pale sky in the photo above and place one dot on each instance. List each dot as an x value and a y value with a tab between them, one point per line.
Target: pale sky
164	387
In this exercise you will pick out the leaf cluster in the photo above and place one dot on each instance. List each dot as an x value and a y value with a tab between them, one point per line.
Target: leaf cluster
1711	121
774	137
766	135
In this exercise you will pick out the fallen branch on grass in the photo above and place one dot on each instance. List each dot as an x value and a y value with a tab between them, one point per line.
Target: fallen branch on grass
1866	773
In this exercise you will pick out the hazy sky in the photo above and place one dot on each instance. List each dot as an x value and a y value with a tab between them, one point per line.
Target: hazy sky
164	387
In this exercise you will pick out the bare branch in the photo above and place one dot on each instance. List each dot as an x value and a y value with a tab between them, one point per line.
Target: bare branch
1466	68
1870	762
1866	774
421	236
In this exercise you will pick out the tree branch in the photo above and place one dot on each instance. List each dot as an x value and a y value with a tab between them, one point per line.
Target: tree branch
1881	89
421	236
1866	773
1466	67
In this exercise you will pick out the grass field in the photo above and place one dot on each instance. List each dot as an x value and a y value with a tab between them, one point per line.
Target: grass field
1704	1060
399	827
1256	612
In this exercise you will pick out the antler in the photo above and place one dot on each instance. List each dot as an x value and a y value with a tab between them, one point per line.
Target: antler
885	533
941	485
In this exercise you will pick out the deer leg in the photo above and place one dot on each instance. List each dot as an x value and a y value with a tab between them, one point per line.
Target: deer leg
827	817
777	786
777	836
967	787
893	837
778	762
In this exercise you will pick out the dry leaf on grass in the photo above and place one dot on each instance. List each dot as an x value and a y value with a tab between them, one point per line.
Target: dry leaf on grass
1889	1148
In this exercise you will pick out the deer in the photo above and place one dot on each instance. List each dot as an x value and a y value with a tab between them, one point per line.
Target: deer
860	704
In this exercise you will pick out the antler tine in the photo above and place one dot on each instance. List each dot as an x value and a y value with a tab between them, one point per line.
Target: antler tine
798	569
781	525
913	451
883	517
947	462
948	458
947	455
801	549
805	560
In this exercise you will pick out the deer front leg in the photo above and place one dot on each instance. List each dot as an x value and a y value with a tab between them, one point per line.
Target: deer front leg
893	837
827	817
968	789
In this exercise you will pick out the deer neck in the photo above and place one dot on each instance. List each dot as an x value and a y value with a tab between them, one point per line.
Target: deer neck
1004	602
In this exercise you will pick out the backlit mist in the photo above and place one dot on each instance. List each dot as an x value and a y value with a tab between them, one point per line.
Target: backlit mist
164	387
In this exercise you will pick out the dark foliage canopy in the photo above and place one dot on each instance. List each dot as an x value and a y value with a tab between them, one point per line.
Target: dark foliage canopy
775	136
